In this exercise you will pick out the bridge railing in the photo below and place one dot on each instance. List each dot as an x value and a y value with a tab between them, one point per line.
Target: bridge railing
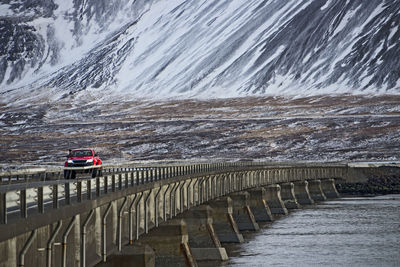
39	191
45	174
20	200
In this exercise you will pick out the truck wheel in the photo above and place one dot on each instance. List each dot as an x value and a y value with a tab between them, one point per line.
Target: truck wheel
66	174
94	172
73	175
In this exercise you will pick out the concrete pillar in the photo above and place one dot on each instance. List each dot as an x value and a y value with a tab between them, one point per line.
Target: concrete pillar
224	224
8	248
170	242
133	255
329	188
288	196
273	197
259	206
203	239
302	194
242	213
314	186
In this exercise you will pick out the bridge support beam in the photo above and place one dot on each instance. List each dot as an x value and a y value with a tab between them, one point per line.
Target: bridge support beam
302	194
259	206
329	188
273	197
288	196
170	242
242	212
224	224
315	189
203	239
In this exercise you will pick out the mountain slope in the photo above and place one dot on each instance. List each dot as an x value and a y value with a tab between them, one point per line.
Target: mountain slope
197	48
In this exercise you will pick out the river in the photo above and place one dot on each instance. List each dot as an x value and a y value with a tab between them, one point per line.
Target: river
357	231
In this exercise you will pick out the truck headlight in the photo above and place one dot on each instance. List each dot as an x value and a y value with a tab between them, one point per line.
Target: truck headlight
70	161
89	161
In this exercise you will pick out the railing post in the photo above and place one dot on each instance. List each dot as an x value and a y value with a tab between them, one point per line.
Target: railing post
132	177
97	187
89	189
119	181
67	194
155	174
113	183
23	207
3	208
137	177
79	191
142	176
148	176
105	181
40	200
126	175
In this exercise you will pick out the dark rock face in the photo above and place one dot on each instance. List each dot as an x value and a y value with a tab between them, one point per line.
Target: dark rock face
383	180
24	49
32	8
254	47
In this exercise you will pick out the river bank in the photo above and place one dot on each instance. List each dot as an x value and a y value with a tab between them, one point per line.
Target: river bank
382	181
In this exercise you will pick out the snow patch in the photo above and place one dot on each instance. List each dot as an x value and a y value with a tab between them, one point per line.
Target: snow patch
328	2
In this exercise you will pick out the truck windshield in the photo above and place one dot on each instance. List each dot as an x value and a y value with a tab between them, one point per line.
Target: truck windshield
81	153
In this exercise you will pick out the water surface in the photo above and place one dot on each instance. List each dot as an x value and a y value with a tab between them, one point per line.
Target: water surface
362	231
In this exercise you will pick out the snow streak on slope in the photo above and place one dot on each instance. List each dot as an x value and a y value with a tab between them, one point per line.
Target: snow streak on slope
191	48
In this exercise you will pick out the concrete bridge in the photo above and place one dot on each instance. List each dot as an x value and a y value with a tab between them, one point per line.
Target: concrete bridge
150	215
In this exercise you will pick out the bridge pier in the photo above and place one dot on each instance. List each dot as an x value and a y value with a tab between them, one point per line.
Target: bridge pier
273	197
329	188
288	196
259	206
315	190
242	212
302	194
203	239
224	223
132	255
170	242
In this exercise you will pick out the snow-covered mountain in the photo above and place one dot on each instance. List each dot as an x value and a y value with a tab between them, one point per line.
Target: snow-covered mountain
202	48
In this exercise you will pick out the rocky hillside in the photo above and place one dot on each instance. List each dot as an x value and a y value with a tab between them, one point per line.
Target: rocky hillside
54	49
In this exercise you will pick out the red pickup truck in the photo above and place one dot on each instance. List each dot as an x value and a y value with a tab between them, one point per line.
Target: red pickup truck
82	160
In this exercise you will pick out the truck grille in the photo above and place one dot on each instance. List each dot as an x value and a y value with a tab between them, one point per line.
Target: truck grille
79	163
